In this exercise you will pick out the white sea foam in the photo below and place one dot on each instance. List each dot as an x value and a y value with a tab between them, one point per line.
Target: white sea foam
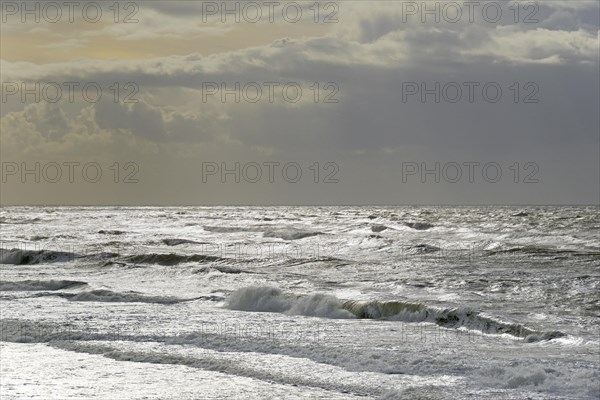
514	318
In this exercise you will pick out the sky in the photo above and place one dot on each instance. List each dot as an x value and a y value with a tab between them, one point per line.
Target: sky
300	103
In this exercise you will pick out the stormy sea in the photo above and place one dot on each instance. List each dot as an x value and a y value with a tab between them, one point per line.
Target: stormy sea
300	302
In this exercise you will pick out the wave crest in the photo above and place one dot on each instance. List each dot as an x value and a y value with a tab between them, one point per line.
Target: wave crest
170	258
103	295
30	257
290	234
33	285
270	299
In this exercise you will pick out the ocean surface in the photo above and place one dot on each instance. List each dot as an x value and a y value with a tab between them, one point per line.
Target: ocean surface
300	302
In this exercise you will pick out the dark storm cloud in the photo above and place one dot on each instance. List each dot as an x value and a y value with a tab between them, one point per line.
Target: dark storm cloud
374	126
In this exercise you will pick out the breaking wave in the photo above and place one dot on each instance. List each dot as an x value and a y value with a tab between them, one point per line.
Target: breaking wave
232	229
170	258
36	238
221	268
420	226
111	232
290	234
270	299
448	318
108	296
378	228
177	242
32	285
29	257
20	221
543	251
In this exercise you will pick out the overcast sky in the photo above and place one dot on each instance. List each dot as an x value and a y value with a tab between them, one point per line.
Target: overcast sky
363	129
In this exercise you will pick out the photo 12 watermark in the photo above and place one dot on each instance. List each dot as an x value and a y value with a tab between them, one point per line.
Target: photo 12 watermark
453	12
269	331
325	12
255	92
469	92
469	172
26	172
270	172
434	334
53	12
68	92
17	331
272	251
41	248
46	249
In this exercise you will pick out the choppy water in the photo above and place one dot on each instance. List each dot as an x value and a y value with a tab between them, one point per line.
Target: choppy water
318	302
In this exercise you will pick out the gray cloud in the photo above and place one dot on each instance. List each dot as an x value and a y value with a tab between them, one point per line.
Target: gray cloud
370	55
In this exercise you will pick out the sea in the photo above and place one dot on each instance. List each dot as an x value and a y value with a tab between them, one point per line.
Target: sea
407	302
